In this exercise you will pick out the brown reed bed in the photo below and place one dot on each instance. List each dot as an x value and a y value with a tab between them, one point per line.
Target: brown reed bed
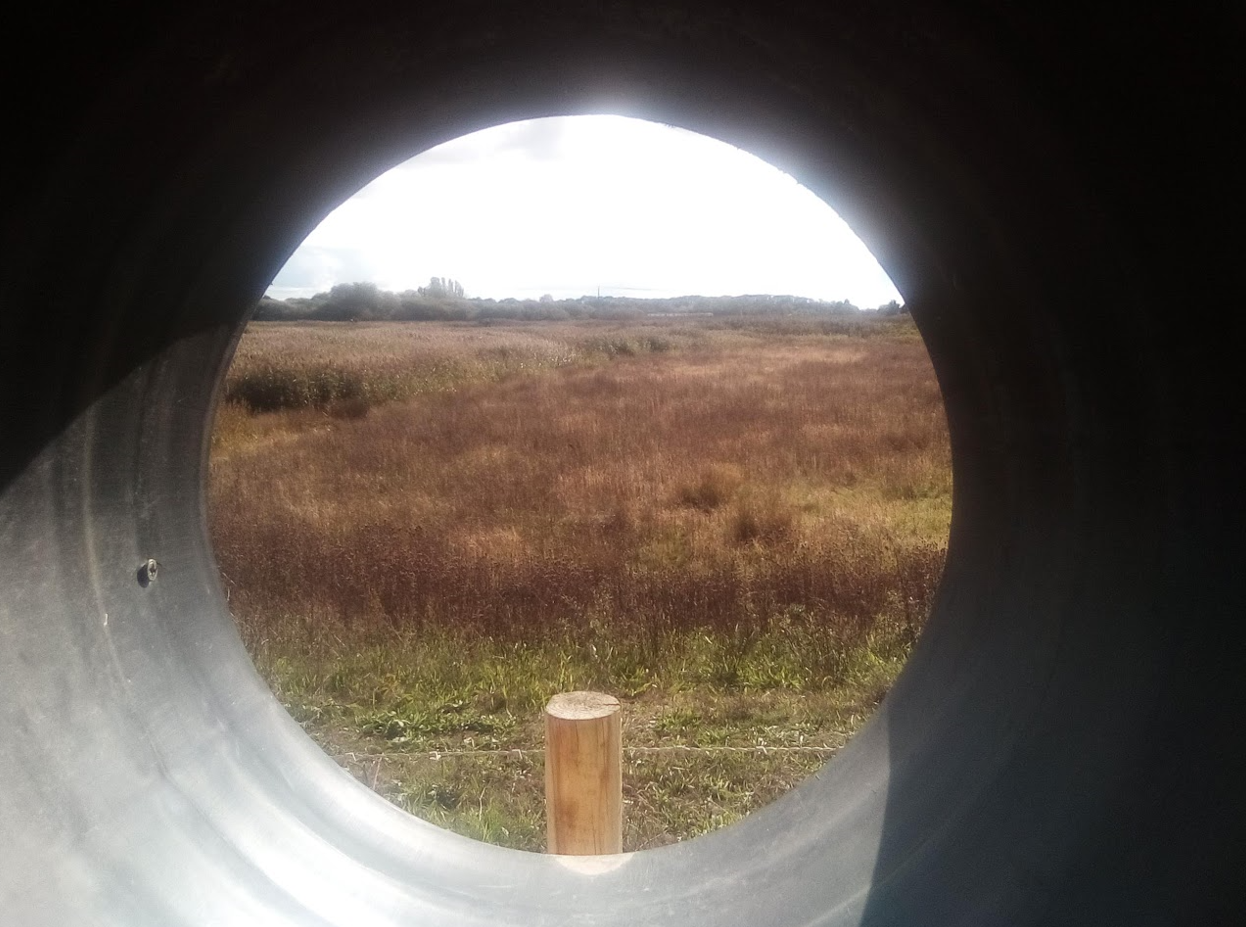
681	489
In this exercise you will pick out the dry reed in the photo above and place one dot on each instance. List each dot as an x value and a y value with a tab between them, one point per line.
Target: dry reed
655	478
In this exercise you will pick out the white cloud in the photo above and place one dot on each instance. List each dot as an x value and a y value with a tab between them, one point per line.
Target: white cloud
570	204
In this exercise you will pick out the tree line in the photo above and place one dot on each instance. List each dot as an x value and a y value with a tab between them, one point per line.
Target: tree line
444	300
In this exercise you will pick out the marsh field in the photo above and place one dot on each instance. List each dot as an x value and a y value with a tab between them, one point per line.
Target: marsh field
735	525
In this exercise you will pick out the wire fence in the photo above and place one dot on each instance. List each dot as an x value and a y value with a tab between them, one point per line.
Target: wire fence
524	753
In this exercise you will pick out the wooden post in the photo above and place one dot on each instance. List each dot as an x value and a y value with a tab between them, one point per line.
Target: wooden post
583	774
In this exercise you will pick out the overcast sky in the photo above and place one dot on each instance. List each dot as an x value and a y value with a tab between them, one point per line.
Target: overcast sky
573	205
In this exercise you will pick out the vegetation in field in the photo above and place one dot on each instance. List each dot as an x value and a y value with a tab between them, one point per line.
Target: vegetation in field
735	525
444	300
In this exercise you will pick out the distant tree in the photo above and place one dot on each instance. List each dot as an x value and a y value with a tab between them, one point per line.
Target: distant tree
354	301
416	308
441	287
444	300
273	310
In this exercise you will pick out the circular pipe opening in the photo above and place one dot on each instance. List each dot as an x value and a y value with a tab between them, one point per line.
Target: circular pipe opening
433	512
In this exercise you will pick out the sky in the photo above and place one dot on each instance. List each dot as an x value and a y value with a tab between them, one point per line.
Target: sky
577	205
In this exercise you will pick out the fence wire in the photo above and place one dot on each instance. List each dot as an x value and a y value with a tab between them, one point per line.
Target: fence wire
518	753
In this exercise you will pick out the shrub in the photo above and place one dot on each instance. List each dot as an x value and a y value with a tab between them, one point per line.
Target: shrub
271	387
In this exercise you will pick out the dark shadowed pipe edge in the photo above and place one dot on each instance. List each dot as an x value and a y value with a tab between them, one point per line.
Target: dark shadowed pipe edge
1058	197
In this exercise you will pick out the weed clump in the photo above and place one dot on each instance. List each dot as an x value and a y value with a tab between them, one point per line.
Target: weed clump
763	521
717	486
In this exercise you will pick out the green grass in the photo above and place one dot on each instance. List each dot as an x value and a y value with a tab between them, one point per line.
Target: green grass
716	724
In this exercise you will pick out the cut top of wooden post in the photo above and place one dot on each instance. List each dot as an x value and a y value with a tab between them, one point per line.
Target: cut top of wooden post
583	774
582	706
